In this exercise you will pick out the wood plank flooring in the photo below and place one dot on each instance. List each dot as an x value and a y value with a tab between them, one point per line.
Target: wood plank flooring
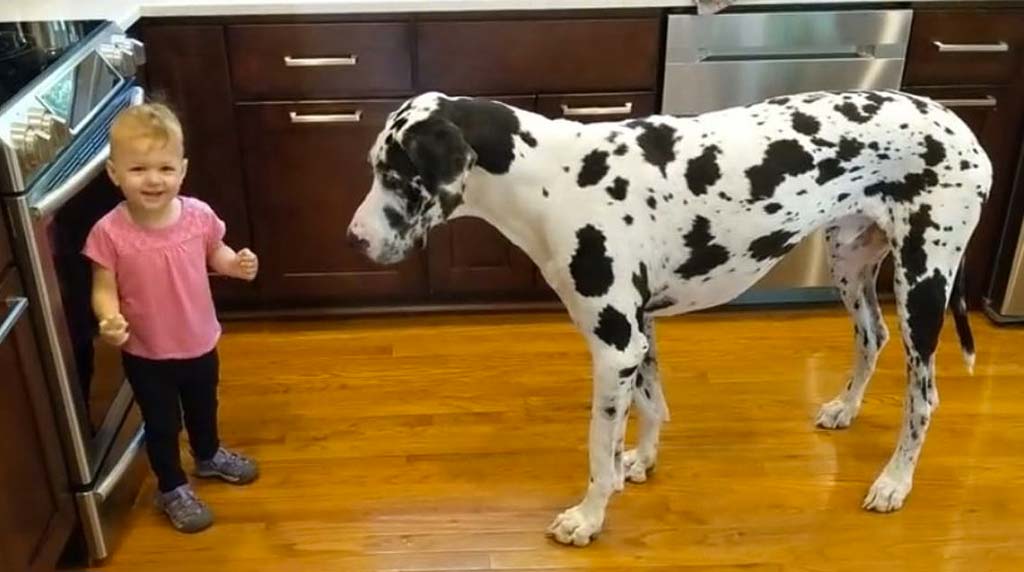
441	443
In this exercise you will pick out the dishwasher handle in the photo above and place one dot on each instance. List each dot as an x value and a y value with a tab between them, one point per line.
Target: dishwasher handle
705	55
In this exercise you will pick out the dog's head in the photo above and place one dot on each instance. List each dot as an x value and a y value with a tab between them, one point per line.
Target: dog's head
420	162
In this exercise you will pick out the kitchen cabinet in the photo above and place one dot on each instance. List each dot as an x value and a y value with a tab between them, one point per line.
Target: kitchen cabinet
972	60
306	168
36	510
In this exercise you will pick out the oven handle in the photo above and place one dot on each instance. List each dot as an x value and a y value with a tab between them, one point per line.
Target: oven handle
17	306
71	187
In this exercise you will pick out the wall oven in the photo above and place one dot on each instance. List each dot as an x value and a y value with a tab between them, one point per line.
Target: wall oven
53	132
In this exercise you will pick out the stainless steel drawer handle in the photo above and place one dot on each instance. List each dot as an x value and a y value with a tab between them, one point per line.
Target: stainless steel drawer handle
293	62
594	111
16	307
354	117
987	101
953	48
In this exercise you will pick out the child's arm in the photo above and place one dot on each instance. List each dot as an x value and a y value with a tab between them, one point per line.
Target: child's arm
242	264
107	306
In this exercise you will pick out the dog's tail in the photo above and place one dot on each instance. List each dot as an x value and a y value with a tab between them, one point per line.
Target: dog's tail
958	305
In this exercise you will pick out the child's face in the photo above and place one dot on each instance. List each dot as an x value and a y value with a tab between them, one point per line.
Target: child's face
148	173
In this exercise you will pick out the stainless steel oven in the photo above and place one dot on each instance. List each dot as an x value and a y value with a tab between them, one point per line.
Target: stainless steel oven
53	133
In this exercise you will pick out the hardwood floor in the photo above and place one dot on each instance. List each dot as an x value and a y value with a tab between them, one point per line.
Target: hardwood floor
450	442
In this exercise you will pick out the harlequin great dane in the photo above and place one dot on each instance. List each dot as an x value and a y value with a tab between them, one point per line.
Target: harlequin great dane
664	215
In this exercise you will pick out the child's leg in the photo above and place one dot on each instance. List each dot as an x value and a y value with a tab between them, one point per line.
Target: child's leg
198	381
199	401
157	396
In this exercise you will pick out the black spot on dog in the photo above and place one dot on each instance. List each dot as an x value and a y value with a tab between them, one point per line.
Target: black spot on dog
704	255
912	185
660	304
487	127
618	189
656	141
926	304
702	171
565	168
591	268
783	100
842	196
628	372
613	328
595	167
805	124
628	219
935	152
528	138
849	149
397	221
545	193
854	113
829	169
621	149
652	202
643	289
785	157
609	412
904	126
912	254
965	165
772	245
772	208
819	142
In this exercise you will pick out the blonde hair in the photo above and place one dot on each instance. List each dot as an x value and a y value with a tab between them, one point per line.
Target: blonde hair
154	122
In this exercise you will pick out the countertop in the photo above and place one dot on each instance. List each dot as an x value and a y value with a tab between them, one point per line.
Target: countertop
126	12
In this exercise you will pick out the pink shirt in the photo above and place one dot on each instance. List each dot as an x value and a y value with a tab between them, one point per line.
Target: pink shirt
162	279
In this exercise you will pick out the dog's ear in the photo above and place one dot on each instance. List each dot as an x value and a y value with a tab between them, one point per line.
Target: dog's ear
438	150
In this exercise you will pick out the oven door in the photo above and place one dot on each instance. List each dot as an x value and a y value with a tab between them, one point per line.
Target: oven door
100	424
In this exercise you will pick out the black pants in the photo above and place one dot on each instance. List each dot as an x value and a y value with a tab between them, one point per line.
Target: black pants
164	389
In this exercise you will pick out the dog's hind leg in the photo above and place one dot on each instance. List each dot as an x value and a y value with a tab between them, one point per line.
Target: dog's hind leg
927	251
617	349
857	247
653	411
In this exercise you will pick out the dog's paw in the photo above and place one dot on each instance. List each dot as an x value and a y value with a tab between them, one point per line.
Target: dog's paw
836	414
887	494
576	526
636	467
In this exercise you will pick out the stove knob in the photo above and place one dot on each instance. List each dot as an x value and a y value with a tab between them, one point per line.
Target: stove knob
38	139
124	54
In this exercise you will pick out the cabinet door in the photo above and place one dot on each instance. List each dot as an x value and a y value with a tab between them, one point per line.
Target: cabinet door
469	258
307	173
36	509
995	115
187	67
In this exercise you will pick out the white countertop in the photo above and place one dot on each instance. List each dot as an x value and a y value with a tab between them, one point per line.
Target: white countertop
126	12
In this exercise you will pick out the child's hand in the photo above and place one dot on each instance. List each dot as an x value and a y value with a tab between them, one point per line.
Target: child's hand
114	330
247	264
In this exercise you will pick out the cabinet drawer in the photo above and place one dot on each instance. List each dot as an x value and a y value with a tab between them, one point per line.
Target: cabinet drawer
589	108
320	60
955	47
530	56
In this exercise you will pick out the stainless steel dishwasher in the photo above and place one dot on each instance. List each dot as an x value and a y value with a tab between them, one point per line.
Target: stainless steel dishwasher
724	60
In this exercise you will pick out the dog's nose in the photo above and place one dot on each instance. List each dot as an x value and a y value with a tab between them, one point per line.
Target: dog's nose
357	242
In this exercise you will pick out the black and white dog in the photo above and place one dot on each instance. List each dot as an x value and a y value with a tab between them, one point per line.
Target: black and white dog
664	215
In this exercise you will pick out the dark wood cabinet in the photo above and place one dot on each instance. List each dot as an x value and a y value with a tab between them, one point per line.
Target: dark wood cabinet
187	67
6	256
306	168
316	61
972	60
36	508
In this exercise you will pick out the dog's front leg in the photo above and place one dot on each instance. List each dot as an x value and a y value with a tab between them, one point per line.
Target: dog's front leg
613	378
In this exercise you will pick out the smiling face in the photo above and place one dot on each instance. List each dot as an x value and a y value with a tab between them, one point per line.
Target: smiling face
420	162
147	158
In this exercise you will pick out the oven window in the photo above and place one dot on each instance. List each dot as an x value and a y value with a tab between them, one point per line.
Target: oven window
80	91
98	364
